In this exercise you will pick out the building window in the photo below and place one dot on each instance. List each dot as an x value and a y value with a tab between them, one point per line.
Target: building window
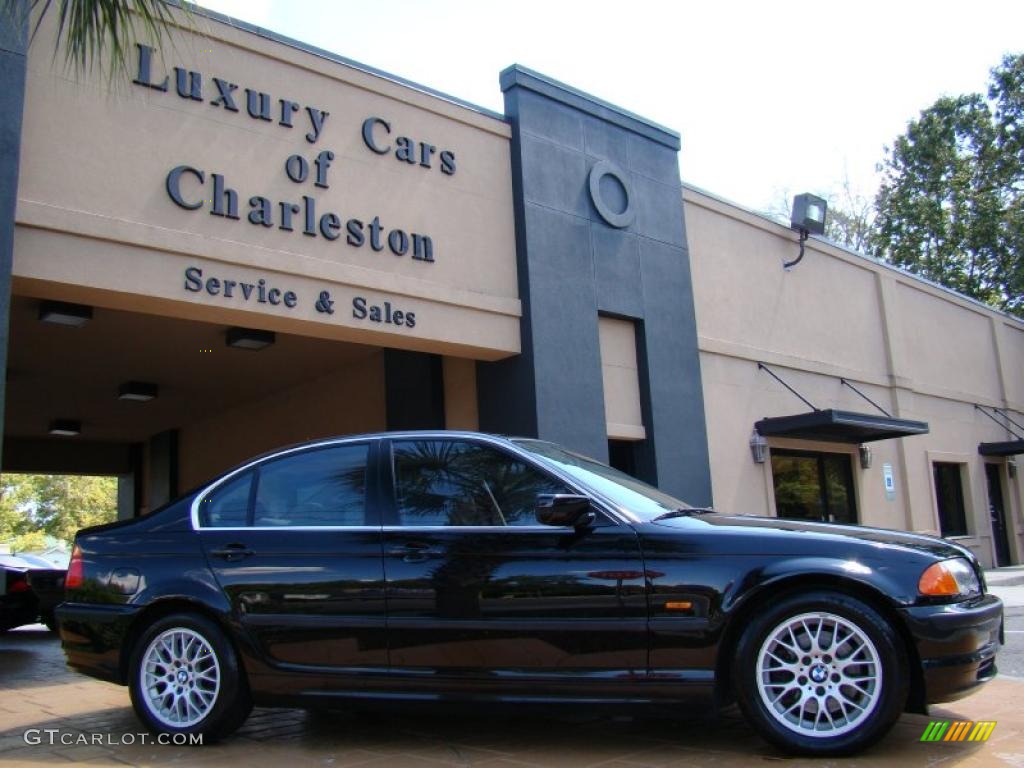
622	456
949	497
814	486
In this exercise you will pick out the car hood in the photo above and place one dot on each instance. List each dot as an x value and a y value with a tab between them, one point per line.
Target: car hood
781	536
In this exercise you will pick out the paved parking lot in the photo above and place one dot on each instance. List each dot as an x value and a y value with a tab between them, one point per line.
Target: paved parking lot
37	692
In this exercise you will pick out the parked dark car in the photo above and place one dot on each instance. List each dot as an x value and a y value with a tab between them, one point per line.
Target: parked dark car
47	582
459	567
18	603
35	587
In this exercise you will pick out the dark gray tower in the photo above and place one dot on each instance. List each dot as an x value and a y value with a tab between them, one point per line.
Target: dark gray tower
599	231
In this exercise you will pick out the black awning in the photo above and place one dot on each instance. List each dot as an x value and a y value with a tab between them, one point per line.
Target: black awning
840	427
1009	448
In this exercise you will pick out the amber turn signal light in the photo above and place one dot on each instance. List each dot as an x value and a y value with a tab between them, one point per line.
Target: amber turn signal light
948	578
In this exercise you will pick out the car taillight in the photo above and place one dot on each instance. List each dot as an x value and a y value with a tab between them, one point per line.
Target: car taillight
75	577
20	584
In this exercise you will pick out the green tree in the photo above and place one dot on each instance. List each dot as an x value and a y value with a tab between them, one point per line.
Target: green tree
56	505
949	207
65	503
16	494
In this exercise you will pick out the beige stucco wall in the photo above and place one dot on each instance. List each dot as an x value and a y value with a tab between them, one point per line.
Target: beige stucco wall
917	350
348	401
95	218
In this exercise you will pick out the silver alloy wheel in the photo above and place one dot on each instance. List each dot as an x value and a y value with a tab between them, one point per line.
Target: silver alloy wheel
819	674
179	677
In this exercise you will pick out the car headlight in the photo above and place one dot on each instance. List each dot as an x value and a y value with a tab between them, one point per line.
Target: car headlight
949	578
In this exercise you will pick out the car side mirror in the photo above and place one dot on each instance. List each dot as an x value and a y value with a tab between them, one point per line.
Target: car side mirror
564	509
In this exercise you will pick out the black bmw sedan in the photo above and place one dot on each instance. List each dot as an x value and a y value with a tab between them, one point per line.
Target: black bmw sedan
460	567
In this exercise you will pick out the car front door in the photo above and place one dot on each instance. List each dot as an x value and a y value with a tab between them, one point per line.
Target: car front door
479	591
294	542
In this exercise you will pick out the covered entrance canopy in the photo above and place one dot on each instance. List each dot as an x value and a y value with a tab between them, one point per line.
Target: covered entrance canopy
836	426
1003	448
839	427
166	403
1006	448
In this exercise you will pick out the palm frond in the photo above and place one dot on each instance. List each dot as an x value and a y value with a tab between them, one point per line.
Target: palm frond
89	30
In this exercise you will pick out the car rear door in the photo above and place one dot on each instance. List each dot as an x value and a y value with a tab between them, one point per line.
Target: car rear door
479	592
294	541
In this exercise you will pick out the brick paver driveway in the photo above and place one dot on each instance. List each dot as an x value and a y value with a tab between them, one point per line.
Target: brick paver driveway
38	692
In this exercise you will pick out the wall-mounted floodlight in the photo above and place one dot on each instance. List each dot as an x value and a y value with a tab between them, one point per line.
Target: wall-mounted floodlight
808	218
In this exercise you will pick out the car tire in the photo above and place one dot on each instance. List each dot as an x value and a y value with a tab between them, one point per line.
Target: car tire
807	693
185	678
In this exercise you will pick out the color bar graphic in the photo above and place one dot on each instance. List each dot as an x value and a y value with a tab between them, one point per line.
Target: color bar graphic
958	730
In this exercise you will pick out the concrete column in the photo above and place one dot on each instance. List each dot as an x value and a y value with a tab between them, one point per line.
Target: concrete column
13	49
414	390
163	468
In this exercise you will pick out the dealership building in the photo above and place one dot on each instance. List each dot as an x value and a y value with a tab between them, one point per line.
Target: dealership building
242	242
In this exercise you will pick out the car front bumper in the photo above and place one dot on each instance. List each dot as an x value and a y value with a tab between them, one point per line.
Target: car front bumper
92	636
957	645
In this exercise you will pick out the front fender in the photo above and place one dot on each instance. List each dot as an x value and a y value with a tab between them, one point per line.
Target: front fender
891	582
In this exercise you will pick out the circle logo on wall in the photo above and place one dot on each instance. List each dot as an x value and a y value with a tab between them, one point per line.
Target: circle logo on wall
609	190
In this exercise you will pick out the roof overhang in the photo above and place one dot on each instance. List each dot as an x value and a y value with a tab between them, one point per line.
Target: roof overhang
839	427
1008	448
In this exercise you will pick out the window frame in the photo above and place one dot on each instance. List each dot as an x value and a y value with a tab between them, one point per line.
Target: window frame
963	475
389	507
606	510
372	493
819	456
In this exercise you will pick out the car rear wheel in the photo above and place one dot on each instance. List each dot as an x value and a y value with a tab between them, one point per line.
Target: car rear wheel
821	673
186	679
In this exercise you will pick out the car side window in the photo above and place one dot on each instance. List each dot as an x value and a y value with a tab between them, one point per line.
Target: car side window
322	487
227	505
455	483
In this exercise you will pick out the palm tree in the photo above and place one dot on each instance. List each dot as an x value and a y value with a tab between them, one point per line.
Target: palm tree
88	28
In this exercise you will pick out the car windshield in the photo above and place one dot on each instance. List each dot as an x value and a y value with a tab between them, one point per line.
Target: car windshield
644	501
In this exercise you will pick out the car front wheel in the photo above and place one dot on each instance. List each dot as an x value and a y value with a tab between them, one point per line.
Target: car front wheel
821	673
186	679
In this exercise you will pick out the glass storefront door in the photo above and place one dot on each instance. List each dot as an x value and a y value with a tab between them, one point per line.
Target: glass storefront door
814	486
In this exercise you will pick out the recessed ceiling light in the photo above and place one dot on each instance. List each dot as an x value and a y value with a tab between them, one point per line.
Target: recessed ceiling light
137	391
63	313
249	338
65	427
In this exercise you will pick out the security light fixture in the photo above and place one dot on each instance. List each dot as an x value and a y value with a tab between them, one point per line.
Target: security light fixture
758	447
808	218
63	313
866	457
249	338
65	427
137	391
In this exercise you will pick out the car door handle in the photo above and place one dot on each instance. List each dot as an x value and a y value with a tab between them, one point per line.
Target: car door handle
232	551
414	551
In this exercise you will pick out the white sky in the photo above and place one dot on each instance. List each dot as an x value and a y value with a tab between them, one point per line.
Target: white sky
768	96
